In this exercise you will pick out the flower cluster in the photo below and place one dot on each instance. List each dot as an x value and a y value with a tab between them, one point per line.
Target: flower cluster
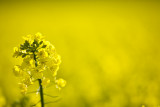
40	61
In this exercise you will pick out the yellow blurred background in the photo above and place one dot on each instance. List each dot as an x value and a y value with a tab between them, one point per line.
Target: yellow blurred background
110	50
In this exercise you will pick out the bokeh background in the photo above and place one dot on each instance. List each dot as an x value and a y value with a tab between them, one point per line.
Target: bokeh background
110	50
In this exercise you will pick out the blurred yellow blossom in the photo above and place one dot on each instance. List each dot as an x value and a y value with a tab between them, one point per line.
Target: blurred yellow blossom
23	88
60	83
2	99
17	71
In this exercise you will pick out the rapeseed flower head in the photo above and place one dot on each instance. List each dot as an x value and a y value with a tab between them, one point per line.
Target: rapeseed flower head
39	58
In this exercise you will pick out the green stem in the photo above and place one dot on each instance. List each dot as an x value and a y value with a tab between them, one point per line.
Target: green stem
41	93
40	85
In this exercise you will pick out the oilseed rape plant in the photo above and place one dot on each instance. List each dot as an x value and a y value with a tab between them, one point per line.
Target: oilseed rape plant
40	62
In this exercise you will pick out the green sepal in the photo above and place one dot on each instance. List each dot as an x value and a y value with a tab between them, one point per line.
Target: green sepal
44	46
24	55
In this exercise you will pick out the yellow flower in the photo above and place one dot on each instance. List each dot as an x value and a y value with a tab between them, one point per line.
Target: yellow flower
57	60
38	37
54	69
60	83
54	61
41	67
45	82
23	88
51	49
16	52
55	73
17	71
27	81
37	73
28	62
46	43
42	53
43	61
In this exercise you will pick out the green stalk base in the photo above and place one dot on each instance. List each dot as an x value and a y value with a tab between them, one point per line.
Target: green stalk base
41	93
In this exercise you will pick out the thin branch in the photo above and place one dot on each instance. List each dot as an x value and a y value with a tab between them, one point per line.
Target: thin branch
51	95
52	101
36	103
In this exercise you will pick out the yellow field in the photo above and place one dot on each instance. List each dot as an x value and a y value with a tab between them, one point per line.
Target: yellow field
110	50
